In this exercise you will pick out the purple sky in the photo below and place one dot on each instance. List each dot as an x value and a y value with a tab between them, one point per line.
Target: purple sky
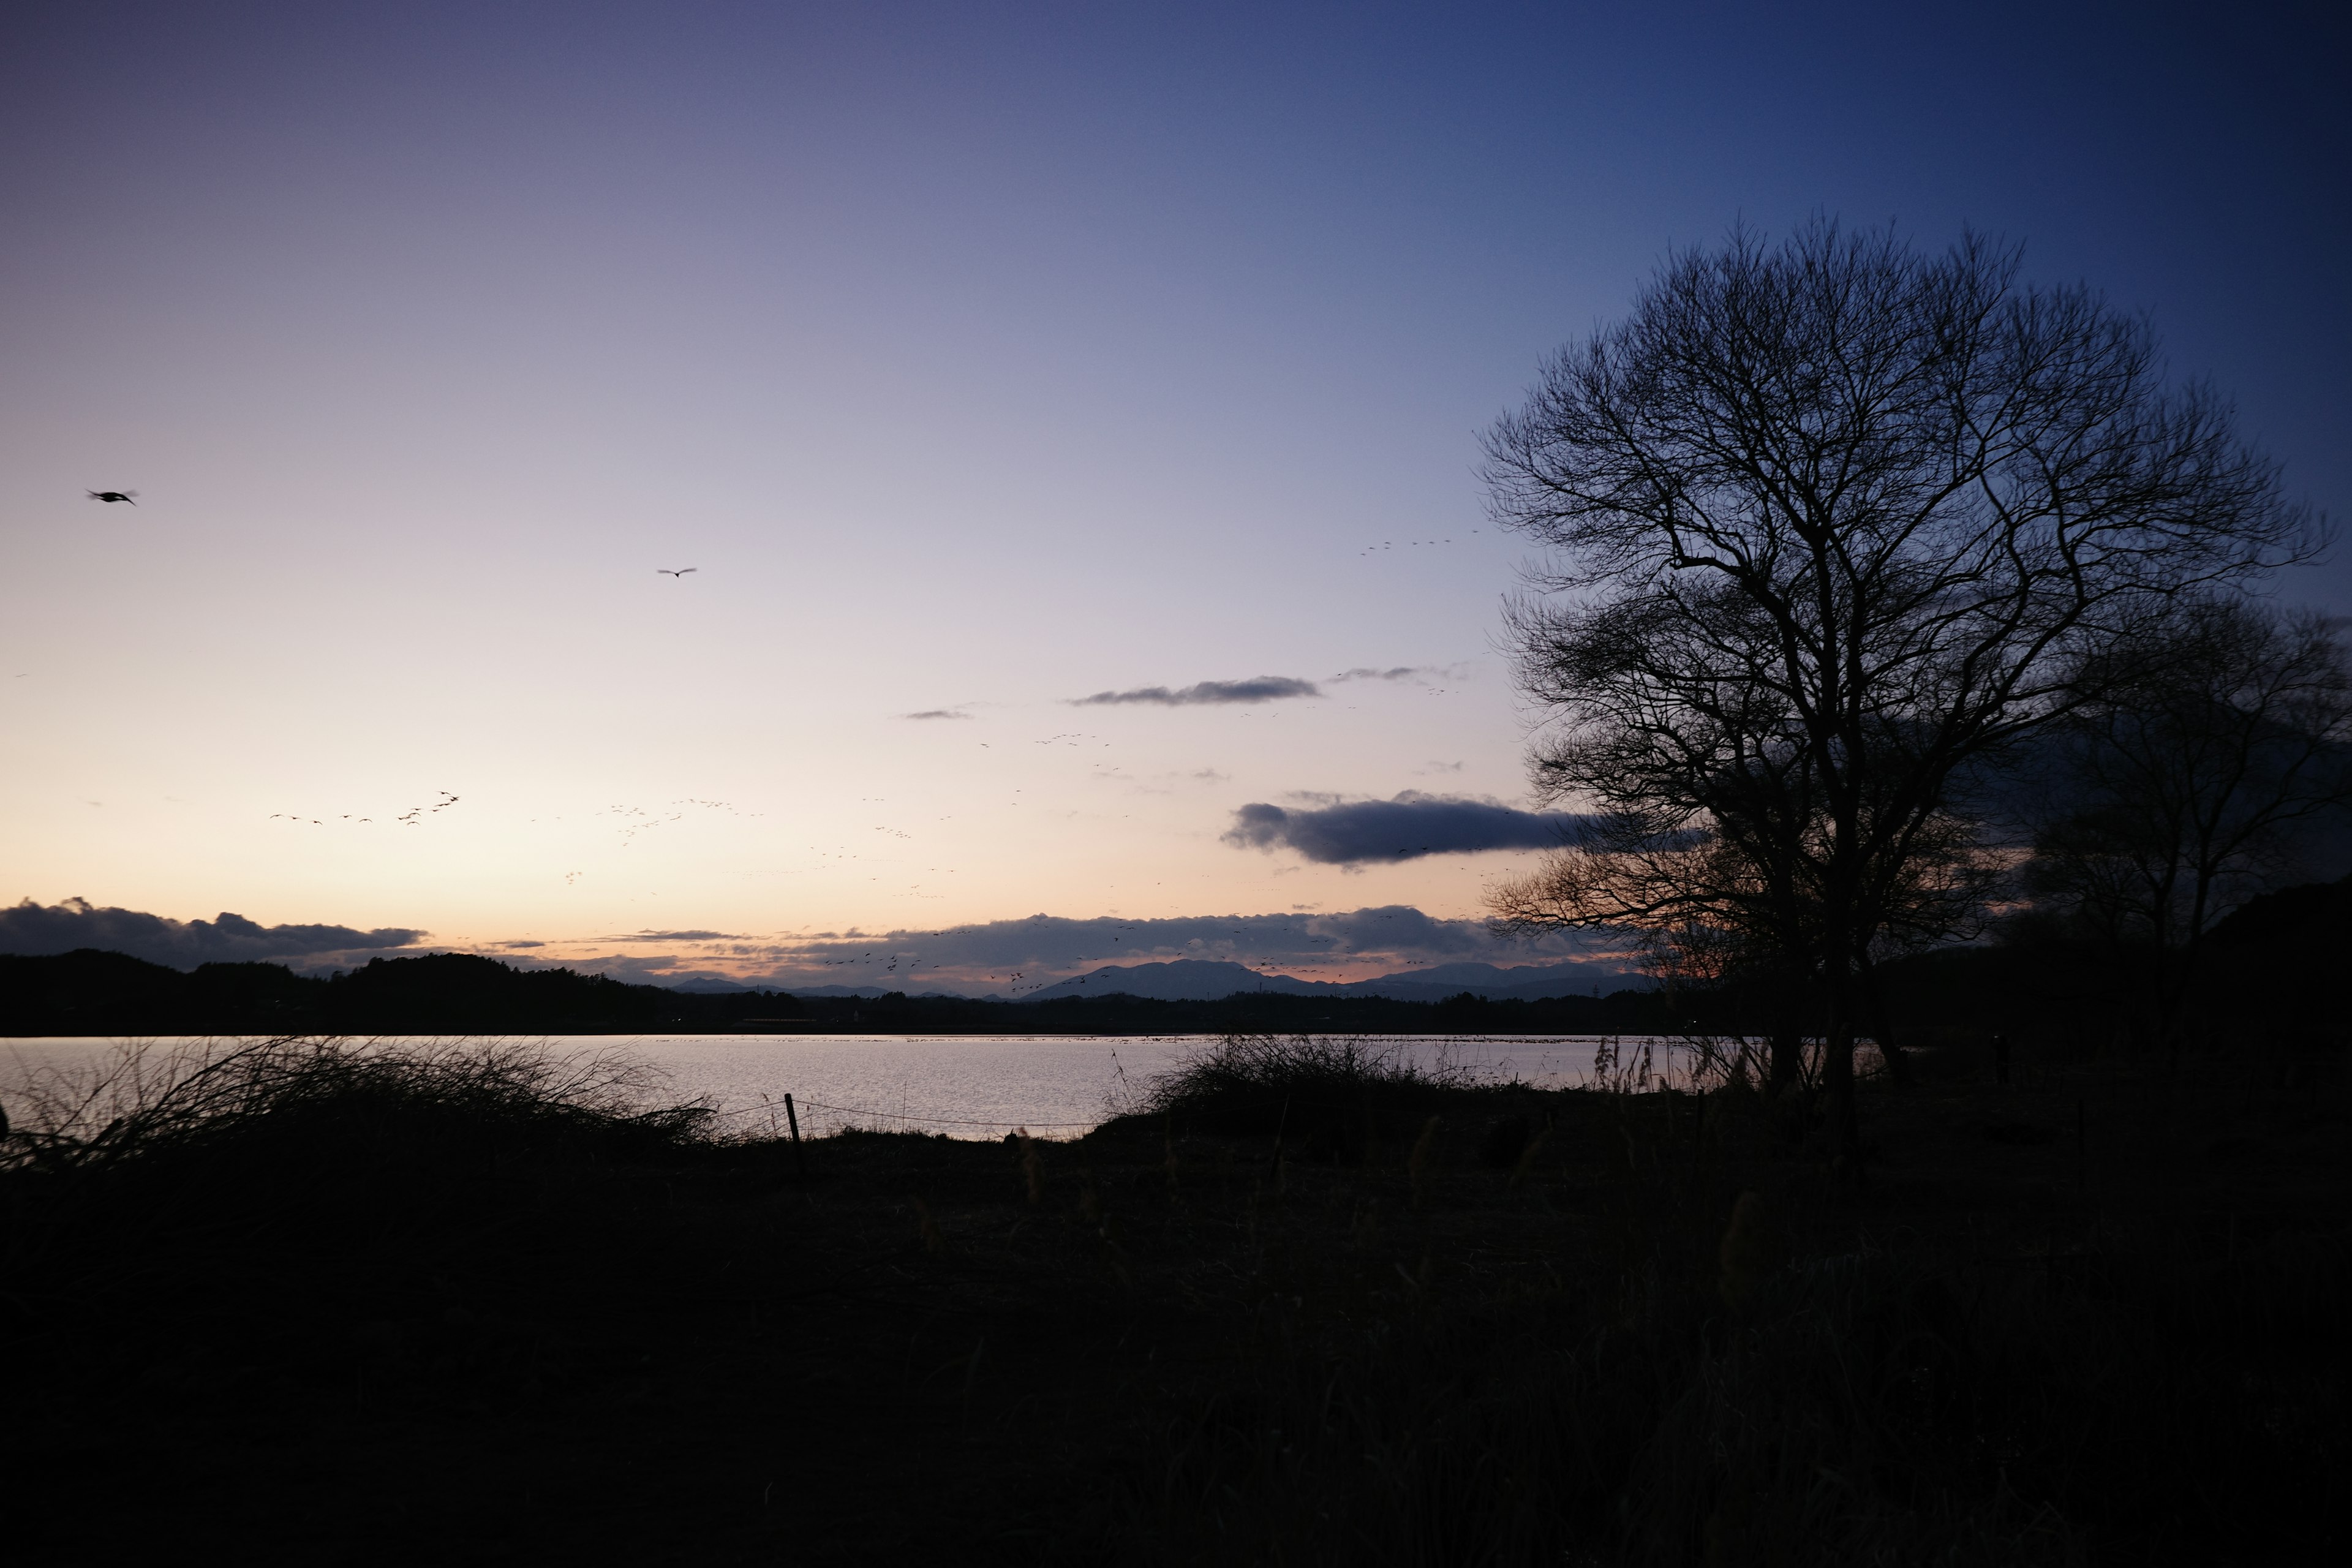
981	359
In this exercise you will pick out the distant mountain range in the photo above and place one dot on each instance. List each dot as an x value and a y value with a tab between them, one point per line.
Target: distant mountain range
1203	980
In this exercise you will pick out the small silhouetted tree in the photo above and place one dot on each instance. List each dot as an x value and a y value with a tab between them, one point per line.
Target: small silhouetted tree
1704	914
2210	744
1712	911
1834	518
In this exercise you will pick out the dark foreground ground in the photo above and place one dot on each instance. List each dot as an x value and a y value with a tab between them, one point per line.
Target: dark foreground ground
2094	1318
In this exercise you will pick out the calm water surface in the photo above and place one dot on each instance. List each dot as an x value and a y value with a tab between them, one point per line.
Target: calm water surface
968	1085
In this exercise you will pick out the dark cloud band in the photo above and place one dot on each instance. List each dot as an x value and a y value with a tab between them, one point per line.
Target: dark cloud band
1258	688
36	929
671	936
1014	957
1353	833
1010	957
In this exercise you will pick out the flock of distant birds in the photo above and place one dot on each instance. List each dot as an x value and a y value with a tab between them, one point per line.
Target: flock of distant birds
414	815
409	818
1409	544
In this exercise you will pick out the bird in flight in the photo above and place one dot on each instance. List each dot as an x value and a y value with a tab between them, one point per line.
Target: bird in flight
680	573
113	495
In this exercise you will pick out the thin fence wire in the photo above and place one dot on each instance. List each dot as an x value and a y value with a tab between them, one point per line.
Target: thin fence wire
937	1120
1687	1062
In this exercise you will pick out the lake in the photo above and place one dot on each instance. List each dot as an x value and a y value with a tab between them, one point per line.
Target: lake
965	1086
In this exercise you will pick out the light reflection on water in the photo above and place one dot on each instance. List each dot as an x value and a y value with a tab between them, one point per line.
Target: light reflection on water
967	1086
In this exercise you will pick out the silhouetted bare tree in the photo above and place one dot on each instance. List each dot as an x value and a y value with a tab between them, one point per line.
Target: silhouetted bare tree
2180	788
1705	915
1834	518
1716	909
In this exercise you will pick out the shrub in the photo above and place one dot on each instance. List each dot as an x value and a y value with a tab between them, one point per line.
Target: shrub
1334	1096
297	1145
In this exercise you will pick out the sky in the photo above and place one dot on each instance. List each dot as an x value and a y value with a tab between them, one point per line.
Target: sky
1070	416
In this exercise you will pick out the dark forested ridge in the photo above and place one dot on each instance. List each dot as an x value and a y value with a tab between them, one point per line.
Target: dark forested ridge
2268	974
93	992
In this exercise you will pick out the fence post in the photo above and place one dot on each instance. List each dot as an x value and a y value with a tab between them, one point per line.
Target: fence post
800	1160
1274	1166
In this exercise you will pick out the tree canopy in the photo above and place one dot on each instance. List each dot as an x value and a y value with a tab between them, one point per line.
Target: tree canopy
1829	521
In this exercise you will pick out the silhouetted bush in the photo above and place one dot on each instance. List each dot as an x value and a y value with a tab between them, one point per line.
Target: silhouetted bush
186	1163
1333	1096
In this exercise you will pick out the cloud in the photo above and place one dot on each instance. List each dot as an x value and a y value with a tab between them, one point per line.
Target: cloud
1009	957
672	936
1014	956
1422	672
1349	833
633	968
935	713
35	929
1257	688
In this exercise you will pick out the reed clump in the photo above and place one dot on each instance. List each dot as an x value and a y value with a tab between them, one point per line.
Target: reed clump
336	1099
1335	1098
191	1166
1031	1164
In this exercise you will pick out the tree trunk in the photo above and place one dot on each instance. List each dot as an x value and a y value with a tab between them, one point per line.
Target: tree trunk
1787	1059
1787	1000
1882	1026
1837	1079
